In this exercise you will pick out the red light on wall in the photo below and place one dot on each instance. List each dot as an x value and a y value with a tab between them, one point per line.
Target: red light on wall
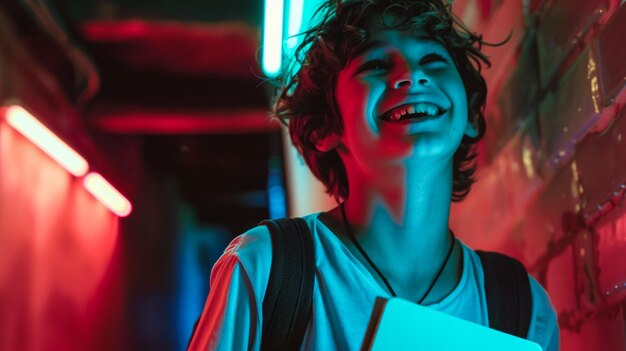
107	194
46	140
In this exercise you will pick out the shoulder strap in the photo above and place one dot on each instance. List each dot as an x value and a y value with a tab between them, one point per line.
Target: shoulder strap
289	294
507	288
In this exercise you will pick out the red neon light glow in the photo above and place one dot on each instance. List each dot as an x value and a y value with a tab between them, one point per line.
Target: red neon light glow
107	194
38	134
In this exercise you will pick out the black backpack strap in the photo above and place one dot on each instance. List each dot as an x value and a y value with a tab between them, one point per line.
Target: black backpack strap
507	289
289	294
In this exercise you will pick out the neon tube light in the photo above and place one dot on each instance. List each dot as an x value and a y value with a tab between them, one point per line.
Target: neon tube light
46	140
272	37
107	194
295	22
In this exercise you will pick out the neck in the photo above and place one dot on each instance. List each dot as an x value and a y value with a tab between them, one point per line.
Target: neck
412	203
400	218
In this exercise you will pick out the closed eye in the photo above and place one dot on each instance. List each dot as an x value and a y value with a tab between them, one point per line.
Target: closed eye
432	58
373	66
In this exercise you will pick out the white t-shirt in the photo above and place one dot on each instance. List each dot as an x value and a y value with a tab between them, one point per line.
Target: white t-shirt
343	296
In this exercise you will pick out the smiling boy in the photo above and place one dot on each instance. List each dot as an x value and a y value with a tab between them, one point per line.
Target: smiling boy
385	109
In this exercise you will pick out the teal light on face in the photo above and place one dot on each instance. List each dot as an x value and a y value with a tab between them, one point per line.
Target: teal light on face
272	37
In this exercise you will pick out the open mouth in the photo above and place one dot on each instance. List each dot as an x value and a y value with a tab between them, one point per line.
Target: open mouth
419	110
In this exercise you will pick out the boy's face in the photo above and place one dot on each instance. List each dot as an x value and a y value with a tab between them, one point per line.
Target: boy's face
401	98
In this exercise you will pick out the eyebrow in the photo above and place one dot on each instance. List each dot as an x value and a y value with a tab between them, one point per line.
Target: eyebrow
377	43
366	47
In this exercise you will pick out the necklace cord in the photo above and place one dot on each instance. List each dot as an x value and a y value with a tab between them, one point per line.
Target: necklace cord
363	253
380	274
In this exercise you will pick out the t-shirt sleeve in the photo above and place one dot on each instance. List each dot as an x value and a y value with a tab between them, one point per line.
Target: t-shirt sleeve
544	328
231	319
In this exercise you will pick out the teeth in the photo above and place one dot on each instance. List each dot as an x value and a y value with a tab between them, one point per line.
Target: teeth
432	110
420	107
426	108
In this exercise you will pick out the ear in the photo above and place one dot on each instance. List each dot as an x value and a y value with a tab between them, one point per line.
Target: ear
471	130
327	142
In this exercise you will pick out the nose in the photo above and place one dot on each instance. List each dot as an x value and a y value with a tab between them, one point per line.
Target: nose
407	81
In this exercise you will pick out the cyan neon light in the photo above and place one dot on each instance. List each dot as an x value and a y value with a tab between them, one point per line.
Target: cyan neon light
295	22
272	37
277	203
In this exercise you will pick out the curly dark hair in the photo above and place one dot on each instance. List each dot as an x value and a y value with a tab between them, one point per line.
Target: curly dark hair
306	101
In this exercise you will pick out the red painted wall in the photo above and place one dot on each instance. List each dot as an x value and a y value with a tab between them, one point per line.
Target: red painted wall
61	273
60	279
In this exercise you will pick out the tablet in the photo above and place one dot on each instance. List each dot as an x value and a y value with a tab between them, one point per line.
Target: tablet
397	324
